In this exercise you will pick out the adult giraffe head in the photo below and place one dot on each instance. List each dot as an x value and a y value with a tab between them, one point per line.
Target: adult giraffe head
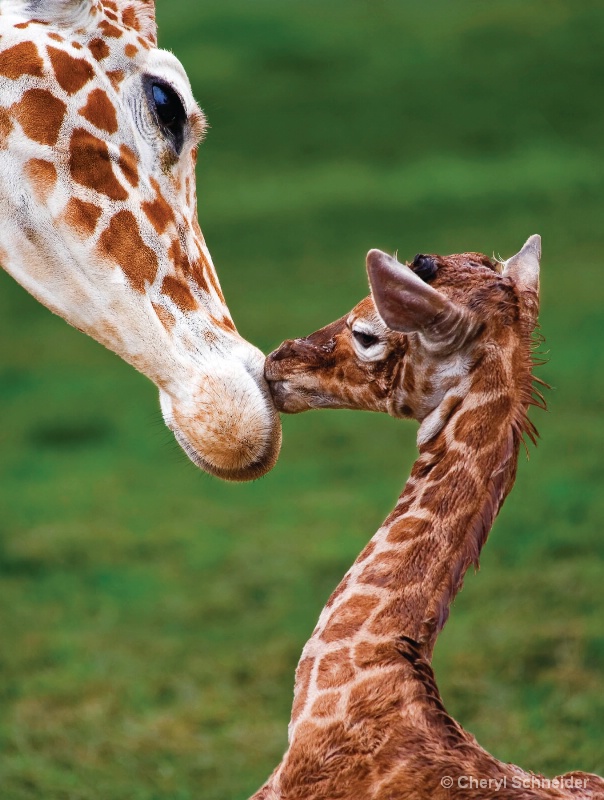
98	141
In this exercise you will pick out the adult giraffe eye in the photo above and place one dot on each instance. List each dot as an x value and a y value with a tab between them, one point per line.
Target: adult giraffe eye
170	112
366	340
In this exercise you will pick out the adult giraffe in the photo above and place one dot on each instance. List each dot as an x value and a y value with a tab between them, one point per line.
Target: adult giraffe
98	141
446	341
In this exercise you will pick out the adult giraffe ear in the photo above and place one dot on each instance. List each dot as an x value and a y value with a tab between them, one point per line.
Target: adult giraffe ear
523	268
409	305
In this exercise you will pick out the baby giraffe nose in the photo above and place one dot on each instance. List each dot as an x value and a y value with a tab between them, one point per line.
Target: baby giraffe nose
286	350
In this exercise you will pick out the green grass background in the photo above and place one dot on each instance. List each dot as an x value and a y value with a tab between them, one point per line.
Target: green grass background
151	617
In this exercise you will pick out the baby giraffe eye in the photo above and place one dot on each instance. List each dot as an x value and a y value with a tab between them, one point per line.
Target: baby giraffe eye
366	340
170	112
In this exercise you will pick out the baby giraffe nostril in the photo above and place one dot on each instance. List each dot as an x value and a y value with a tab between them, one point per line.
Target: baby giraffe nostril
286	350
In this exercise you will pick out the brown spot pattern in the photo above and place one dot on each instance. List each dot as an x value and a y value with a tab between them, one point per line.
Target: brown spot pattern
164	316
303	673
179	292
130	18
41	115
116	76
366	552
475	427
130	51
335	669
381	571
198	272
110	30
82	216
128	164
22	59
368	655
408	528
446	497
349	618
338	591
6	126
122	243
90	165
179	258
71	73
99	49
42	175
100	111
160	214
326	705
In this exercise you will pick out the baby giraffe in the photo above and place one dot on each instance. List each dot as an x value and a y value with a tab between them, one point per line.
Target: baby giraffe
447	341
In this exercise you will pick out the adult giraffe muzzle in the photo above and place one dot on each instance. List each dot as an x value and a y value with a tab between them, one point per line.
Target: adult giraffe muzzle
98	141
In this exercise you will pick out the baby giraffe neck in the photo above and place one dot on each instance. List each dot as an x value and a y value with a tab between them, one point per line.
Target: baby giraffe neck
404	581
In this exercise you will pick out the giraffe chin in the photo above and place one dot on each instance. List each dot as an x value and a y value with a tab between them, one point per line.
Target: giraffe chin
228	427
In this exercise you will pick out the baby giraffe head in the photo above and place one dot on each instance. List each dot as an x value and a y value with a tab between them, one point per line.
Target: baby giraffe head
414	346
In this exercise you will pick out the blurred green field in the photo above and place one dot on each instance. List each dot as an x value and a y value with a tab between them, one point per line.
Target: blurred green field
151	616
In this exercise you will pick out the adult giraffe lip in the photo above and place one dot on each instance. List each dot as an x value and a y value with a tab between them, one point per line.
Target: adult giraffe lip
225	420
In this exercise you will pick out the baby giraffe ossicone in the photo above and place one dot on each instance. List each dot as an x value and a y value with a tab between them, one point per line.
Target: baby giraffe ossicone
447	341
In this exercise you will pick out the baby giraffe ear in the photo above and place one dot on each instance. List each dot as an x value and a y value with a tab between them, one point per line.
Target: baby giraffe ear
523	268
409	305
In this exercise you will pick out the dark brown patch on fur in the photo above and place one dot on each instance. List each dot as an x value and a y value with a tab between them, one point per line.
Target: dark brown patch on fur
368	655
159	212
199	269
179	258
475	426
366	552
335	669
349	618
41	115
408	528
43	176
408	378
6	126
56	37
130	18
444	497
303	673
90	165
128	164
121	242
164	316
82	216
110	30
325	705
99	49
99	110
130	51
338	591
22	59
382	571
116	76
179	292
71	73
